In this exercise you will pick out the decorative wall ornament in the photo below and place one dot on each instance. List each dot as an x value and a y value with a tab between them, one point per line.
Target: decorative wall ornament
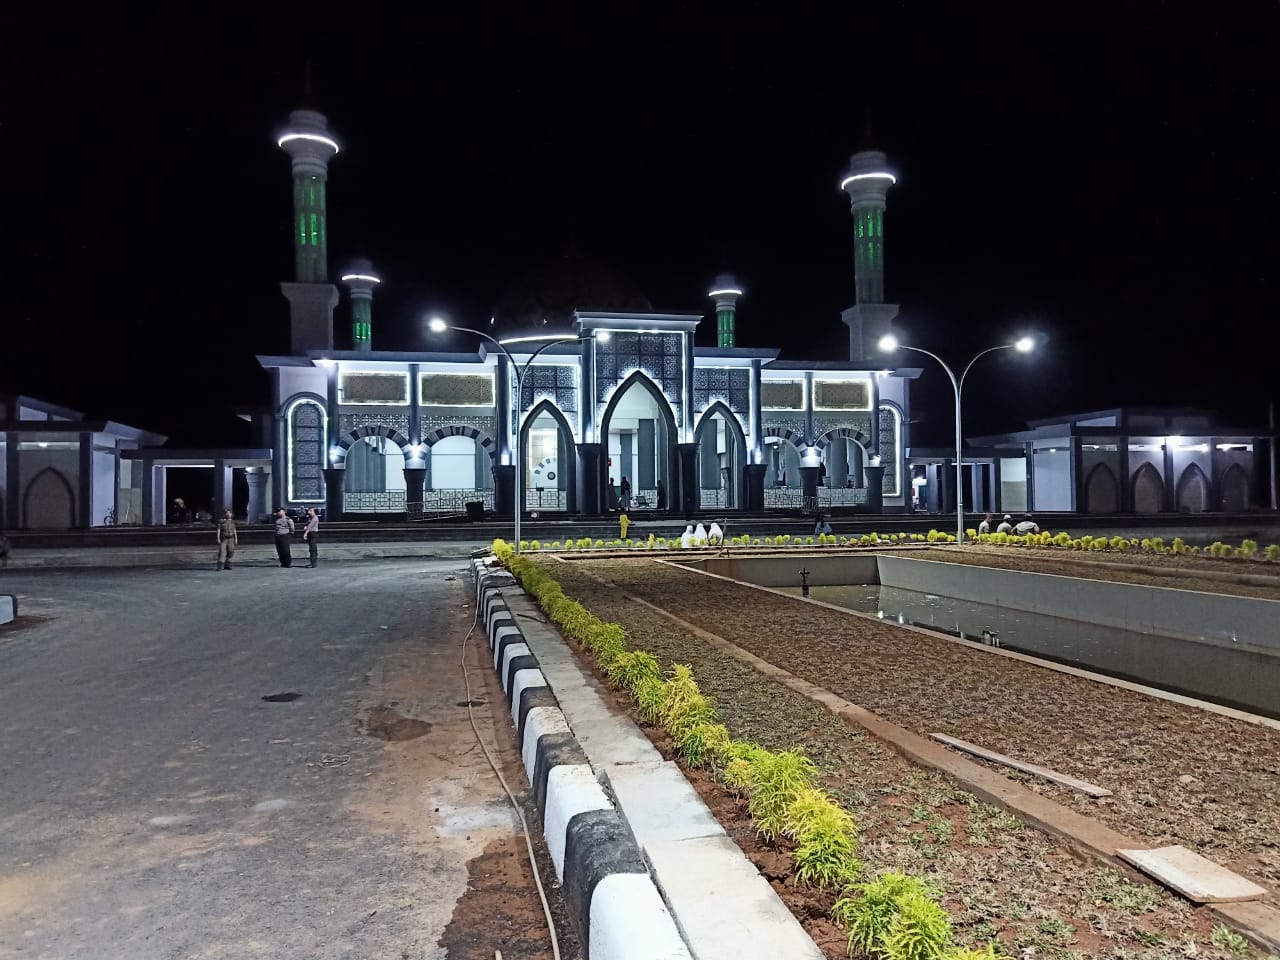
555	382
791	431
782	394
306	451
890	449
658	355
825	427
730	385
841	395
456	390
387	388
354	421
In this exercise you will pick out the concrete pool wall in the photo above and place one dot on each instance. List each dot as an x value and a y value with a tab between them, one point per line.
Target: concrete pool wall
1220	619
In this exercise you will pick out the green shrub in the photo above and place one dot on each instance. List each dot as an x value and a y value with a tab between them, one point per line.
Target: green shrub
700	742
824	834
776	779
973	953
871	914
1272	552
632	668
1248	548
651	697
921	931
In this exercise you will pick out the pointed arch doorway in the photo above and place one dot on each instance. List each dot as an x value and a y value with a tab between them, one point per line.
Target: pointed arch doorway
639	429
722	453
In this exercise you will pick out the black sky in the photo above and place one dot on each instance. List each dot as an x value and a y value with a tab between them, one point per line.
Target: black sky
1104	173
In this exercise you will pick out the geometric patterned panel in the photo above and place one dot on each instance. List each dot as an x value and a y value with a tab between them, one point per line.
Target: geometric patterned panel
730	385
306	452
392	388
658	355
841	395
555	382
348	422
457	390
888	450
782	395
859	426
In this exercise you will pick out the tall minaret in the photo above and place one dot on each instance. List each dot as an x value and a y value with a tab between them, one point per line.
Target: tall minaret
867	183
311	297
725	292
361	280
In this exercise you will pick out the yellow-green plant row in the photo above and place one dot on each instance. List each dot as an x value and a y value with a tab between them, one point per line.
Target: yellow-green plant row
892	916
1248	549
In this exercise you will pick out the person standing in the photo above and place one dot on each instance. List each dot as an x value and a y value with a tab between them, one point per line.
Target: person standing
284	530
312	535
624	501
228	539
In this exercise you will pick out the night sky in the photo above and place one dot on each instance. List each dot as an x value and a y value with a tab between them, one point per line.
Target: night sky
1104	174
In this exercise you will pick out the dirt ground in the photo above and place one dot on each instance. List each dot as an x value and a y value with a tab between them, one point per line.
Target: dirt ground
998	879
1177	572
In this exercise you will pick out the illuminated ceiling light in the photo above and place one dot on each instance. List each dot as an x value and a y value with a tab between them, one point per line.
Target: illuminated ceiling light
367	277
313	137
726	292
542	338
334	453
325	362
604	336
437	325
854	177
888	343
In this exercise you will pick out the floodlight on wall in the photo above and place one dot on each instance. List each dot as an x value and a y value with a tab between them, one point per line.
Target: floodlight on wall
604	336
334	453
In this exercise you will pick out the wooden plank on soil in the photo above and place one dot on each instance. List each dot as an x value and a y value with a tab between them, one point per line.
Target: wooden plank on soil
1044	773
1196	878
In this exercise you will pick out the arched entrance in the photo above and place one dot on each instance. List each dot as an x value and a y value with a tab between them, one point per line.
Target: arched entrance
373	481
1101	491
48	503
1193	491
1235	489
639	430
548	458
722	453
842	478
1148	490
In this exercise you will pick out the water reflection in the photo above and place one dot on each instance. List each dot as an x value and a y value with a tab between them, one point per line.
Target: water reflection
1237	678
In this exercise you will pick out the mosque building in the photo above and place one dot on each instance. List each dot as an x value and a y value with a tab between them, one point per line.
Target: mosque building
624	392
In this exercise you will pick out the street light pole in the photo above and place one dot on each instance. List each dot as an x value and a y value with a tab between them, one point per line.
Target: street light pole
439	326
889	343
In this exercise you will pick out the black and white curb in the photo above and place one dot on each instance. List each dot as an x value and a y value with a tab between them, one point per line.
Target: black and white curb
607	887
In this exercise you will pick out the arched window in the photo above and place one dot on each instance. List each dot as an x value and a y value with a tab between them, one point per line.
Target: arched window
1101	492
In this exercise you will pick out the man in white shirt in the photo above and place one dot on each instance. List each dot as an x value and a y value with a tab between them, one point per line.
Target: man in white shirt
1026	525
1006	525
985	525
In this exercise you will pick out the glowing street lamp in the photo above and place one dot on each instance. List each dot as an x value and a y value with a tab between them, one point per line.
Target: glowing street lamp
439	325
889	343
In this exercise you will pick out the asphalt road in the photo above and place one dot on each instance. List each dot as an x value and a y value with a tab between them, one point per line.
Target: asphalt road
154	805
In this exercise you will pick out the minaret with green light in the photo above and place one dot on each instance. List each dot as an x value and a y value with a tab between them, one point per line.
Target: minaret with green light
361	280
312	298
725	292
867	184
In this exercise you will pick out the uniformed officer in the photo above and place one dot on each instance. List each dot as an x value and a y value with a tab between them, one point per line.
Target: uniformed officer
228	540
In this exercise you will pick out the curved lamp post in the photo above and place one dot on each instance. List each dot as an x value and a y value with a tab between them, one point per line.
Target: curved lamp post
889	343
438	325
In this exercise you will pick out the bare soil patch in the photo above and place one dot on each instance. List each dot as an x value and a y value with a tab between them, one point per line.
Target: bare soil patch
998	878
387	723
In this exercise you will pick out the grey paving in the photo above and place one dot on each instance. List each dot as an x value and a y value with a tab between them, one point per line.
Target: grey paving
153	805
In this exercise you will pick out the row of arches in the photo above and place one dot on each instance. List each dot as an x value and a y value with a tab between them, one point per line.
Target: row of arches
1192	492
638	430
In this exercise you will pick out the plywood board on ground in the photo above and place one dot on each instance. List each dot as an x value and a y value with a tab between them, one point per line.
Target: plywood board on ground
1196	878
1044	773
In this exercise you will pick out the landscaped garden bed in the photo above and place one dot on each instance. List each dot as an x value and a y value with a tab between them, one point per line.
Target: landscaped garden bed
996	878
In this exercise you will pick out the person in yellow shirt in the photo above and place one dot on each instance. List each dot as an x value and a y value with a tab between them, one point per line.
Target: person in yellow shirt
623	522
